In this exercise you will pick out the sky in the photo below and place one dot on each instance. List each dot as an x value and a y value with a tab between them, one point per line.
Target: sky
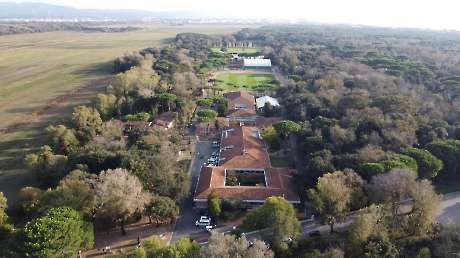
432	14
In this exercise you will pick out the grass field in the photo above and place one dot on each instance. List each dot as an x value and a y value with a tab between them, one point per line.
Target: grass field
234	81
249	50
44	75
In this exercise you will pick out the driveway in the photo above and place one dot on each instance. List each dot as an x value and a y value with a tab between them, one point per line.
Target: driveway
450	208
185	224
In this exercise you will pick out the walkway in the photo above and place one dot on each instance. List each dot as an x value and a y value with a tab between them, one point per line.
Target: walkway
185	224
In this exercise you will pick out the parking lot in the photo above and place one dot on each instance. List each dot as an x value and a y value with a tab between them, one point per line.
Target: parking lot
185	225
213	159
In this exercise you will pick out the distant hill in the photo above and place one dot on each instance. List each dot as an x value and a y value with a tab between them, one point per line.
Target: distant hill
9	10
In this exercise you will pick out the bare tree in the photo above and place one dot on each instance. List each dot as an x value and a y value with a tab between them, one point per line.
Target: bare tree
392	188
398	185
119	195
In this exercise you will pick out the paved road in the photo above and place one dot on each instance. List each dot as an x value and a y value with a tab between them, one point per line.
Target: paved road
185	225
450	208
449	212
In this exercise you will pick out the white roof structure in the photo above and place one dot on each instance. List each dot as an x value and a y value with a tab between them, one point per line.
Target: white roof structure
260	102
255	62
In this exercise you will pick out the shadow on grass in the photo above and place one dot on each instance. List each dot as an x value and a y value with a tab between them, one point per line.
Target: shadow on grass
99	69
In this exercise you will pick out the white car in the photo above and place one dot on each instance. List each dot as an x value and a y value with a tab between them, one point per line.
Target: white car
203	221
212	160
209	228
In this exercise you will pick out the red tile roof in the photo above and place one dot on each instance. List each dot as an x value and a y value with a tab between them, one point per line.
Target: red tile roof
166	117
243	112
242	148
240	98
279	183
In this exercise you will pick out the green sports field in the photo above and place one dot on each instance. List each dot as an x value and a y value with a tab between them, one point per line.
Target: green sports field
232	81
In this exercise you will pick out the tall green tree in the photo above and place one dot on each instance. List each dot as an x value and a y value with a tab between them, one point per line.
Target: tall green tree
271	136
87	123
71	192
49	167
63	137
276	213
428	164
286	128
29	200
448	151
5	227
367	224
162	209
60	232
3	207
136	81
183	248
214	205
106	105
332	197
166	100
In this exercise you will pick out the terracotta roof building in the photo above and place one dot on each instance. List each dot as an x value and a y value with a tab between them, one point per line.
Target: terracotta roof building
243	155
278	183
241	106
165	120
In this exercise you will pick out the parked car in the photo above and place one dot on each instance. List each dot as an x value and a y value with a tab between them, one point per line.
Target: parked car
215	144
203	221
210	228
213	160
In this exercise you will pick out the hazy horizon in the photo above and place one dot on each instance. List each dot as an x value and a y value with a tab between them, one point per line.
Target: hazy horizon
429	14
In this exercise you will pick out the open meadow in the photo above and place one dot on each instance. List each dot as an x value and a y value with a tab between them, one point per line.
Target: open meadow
246	80
44	75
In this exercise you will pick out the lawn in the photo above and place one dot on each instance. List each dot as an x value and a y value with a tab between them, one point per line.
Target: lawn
232	81
44	75
239	50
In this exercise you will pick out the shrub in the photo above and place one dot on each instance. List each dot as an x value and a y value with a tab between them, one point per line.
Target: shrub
205	115
369	170
205	102
137	117
428	164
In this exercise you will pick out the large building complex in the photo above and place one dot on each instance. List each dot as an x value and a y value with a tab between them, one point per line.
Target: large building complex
244	170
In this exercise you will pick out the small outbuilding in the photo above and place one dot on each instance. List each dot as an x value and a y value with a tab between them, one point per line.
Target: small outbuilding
260	102
257	63
165	120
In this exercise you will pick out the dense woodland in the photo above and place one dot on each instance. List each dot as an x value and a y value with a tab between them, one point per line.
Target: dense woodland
375	113
7	28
